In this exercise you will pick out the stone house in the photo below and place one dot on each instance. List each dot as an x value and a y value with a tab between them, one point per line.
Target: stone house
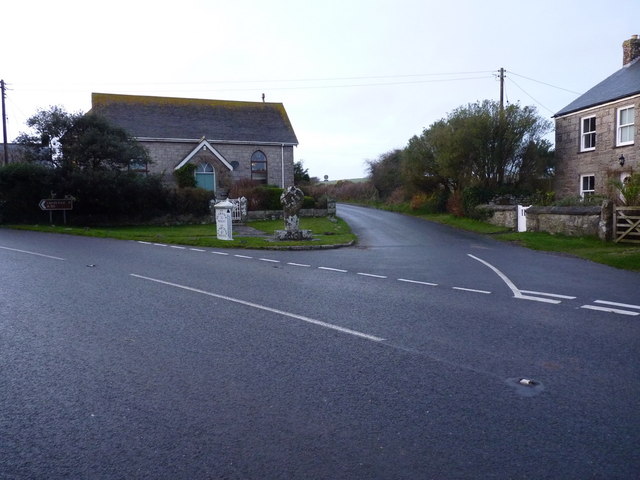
597	139
225	140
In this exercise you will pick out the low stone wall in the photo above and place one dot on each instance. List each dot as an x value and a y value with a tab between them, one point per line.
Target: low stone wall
305	212
279	215
501	215
571	221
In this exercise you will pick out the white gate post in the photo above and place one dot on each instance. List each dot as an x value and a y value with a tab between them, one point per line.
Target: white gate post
522	218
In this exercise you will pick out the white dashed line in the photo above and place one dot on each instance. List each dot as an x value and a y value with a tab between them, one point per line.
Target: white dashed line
371	275
418	282
471	290
607	306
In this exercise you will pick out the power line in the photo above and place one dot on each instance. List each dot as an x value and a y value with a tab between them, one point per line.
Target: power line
544	83
530	96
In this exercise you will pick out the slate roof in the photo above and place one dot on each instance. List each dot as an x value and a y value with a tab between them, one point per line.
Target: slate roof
192	119
624	83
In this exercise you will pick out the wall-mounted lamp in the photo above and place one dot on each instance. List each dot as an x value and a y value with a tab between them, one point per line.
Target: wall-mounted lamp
621	160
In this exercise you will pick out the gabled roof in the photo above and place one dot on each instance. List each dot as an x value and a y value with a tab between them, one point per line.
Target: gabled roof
624	83
192	119
206	145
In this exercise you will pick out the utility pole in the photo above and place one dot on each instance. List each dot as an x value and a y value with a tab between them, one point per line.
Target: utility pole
501	89
4	125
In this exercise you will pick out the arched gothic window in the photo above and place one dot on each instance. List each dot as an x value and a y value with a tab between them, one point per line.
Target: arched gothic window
205	176
259	167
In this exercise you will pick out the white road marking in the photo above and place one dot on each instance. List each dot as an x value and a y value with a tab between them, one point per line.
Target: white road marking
145	243
418	282
242	256
371	275
160	245
610	310
626	305
269	260
554	295
220	253
331	326
178	247
333	269
32	253
197	250
516	293
298	264
471	290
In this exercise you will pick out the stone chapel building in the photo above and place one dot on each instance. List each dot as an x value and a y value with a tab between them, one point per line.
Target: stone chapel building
225	140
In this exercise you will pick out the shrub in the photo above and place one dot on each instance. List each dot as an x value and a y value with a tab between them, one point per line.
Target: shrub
22	186
185	176
190	201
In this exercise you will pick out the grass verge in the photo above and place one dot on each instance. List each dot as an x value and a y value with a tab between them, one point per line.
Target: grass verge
619	255
325	232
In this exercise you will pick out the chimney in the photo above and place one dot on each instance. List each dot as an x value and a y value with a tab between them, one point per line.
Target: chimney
630	50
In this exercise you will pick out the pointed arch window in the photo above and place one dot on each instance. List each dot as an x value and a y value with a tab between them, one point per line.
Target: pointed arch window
206	176
259	167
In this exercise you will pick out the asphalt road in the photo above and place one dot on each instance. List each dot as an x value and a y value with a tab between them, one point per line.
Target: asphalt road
403	357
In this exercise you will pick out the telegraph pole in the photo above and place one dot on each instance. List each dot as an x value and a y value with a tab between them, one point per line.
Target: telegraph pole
501	89
4	125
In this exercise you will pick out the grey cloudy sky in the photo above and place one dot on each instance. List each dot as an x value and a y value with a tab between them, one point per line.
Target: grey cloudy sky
358	78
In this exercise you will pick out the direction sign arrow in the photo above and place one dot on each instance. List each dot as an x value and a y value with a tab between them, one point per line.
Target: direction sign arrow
56	204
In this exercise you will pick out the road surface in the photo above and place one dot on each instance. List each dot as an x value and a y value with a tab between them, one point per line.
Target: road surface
423	352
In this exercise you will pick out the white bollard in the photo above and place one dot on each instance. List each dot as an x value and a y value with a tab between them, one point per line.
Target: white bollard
224	220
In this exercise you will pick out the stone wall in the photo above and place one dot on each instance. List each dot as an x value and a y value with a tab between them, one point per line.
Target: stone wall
305	212
571	221
602	163
501	215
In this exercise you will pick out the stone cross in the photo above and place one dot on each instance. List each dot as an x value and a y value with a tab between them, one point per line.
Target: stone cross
291	200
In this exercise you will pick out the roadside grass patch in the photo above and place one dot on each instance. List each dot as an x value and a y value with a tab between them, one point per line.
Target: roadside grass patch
619	255
325	232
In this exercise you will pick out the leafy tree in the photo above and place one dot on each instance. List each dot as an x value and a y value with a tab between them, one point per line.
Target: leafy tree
48	127
300	174
480	145
385	173
92	143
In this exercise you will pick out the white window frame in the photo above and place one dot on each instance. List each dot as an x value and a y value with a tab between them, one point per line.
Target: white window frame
620	126
584	134
586	192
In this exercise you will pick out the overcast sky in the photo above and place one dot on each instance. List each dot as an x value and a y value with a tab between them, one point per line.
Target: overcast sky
357	78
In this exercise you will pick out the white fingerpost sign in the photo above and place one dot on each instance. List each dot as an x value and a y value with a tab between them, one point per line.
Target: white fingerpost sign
224	220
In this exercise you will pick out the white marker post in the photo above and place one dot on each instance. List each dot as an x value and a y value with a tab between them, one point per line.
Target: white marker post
224	220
